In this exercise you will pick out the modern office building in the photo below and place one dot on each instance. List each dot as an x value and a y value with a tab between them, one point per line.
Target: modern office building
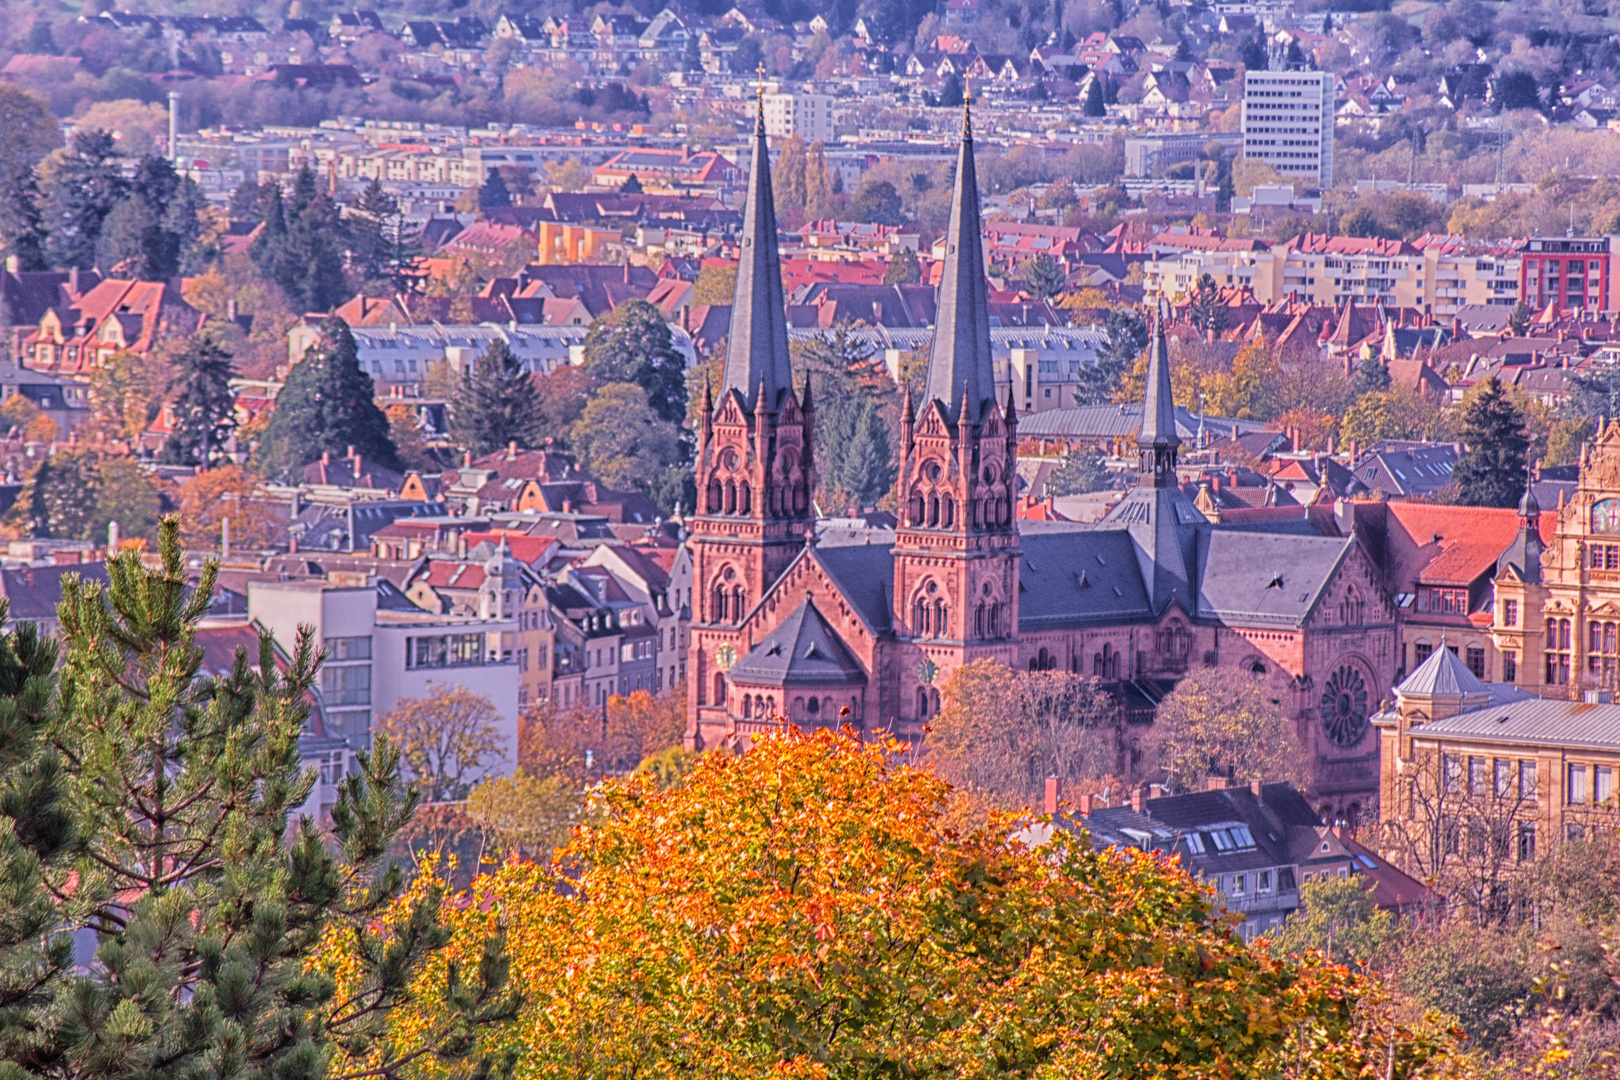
1288	122
809	116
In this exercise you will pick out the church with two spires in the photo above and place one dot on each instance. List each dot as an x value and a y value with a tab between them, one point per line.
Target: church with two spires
789	628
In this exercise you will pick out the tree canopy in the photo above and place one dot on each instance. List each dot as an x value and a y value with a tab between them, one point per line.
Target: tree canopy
326	406
497	403
799	911
632	343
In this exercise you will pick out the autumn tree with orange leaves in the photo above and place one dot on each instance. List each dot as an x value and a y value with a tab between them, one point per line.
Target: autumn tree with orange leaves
798	911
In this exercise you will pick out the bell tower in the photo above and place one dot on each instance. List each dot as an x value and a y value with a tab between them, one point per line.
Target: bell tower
755	465
956	548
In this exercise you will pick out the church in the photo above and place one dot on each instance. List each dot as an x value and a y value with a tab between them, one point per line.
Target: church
788	628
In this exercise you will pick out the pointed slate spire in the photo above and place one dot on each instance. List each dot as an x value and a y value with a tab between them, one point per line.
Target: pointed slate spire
960	372
757	352
1158	404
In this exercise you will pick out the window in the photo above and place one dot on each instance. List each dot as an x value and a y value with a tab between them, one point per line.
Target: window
1421	651
347	648
1238	884
1476	776
1451	773
1285	879
1504	778
1575	791
1527	841
1602	784
1527	779
1510	666
1510	613
444	650
1262	881
346	684
1476	661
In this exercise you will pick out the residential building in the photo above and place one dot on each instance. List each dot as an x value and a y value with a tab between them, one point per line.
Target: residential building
1566	273
809	116
383	649
1288	122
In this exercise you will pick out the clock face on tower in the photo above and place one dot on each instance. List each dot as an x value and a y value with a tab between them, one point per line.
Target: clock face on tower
1606	516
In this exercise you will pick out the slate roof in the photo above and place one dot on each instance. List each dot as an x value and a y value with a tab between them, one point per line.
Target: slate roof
802	651
1443	674
34	591
1273	819
1075	576
864	574
1263	577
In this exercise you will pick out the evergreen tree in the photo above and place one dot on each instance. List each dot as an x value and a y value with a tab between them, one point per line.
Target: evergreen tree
205	410
903	269
147	235
207	901
39	840
1519	320
632	343
22	223
383	247
1043	276
862	455
497	403
1127	337
788	179
631	185
301	247
1492	469
1091	98
854	457
494	194
1080	472
326	406
86	188
1372	375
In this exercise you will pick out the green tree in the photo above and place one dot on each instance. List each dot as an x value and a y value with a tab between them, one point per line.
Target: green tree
950	92
301	247
1338	916
1081	471
40	840
876	201
1091	98
1226	720
206	899
632	343
326	406
1127	337
854	458
1043	276
151	231
1519	321
622	440
22	220
205	408
903	268
86	187
28	131
631	185
497	403
1372	375
1206	312
1491	471
494	194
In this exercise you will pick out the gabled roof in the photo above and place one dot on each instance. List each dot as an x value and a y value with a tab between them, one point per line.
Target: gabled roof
864	574
1074	576
1252	578
802	650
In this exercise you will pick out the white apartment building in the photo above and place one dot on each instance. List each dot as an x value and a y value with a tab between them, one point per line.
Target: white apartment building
379	655
809	116
1288	122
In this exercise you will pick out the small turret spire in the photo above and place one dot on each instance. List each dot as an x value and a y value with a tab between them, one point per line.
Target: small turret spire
1158	441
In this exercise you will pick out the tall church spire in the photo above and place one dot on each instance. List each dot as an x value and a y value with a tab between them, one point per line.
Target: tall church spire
757	352
1158	441
960	373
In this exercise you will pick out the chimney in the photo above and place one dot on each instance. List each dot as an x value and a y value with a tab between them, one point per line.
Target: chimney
13	264
1087	804
686	317
351	455
1054	794
1254	786
292	545
627	272
326	457
1139	798
511	450
1215	783
467	460
112	538
230	310
73	281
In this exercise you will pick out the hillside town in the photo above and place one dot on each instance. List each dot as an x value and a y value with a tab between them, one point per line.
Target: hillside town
464	471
